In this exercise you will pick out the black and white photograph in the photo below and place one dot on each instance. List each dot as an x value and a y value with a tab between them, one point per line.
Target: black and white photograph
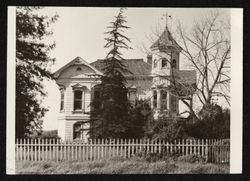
115	90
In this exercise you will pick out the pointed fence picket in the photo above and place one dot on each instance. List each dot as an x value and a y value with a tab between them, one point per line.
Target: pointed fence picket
216	151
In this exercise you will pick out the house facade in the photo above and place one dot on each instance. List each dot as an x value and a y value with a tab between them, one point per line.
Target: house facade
150	80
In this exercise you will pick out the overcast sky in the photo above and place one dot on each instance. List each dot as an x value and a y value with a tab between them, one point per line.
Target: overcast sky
80	32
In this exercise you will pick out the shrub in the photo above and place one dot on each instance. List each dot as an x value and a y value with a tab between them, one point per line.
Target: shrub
166	128
213	122
46	134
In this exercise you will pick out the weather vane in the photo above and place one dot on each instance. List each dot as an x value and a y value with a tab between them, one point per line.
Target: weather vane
166	16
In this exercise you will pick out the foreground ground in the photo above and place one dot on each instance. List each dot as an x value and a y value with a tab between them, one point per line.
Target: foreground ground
119	166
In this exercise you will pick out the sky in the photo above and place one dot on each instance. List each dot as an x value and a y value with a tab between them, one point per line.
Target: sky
79	31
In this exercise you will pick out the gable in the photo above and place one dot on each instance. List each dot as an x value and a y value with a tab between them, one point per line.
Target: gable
77	68
76	71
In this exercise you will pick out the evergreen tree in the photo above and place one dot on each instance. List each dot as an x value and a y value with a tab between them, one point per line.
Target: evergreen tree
32	60
109	116
139	114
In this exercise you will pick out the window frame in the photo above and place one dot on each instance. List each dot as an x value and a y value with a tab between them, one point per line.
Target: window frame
165	60
154	99
164	101
62	98
174	100
155	63
174	64
79	87
78	100
79	132
132	94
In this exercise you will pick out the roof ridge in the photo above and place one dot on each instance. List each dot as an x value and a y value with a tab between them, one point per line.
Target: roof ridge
125	59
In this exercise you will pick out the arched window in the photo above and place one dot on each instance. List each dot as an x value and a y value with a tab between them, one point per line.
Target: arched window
78	99
154	99
164	62
78	69
174	63
163	100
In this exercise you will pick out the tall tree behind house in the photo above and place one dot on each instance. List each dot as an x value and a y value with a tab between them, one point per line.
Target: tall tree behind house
32	60
109	116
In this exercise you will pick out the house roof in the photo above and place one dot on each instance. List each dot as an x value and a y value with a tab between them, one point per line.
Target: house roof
166	40
136	67
187	76
76	61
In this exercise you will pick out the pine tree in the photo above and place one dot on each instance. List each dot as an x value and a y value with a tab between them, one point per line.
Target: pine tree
32	60
111	120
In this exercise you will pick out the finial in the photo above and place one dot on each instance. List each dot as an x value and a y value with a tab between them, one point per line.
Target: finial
167	16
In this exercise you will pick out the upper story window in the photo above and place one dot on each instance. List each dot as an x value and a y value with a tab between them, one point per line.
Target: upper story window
174	63
78	69
155	63
164	62
163	100
62	100
62	92
79	96
78	99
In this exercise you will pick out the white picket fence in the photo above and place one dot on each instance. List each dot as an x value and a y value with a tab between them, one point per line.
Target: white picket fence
94	149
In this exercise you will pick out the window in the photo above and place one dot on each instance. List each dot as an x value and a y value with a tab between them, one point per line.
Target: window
78	69
163	100
62	100
132	96
174	103
80	131
174	63
154	99
78	100
155	63
164	62
77	130
62	90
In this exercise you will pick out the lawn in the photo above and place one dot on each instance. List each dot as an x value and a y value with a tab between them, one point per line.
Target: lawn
120	166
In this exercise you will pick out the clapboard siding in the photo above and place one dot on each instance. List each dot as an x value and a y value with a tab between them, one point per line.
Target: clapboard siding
69	96
69	129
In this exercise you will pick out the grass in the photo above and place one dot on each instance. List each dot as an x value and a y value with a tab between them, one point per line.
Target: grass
120	166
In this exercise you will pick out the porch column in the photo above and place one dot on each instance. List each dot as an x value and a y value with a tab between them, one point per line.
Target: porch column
168	101
158	99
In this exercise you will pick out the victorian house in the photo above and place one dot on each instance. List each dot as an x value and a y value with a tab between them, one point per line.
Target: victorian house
150	79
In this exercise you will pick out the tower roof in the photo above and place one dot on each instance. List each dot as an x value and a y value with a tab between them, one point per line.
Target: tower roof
166	41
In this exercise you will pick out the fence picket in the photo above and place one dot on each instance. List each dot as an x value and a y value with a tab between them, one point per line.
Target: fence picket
213	150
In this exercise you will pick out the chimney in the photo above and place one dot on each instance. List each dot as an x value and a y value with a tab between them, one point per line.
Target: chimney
149	59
